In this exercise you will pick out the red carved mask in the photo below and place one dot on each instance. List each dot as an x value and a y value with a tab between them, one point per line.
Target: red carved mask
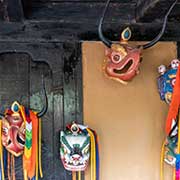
123	60
13	126
13	130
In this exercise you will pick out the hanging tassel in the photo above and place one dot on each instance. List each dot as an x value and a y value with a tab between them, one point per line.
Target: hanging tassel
174	173
79	175
73	175
178	151
97	155
162	161
25	175
40	161
9	166
37	160
13	168
177	166
93	155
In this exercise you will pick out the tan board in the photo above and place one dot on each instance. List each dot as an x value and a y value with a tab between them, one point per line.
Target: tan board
129	119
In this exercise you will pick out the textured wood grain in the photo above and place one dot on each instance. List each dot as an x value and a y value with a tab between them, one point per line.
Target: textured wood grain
150	10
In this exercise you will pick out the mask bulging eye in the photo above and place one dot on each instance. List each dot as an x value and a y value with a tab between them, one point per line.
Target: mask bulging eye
5	130
116	58
16	118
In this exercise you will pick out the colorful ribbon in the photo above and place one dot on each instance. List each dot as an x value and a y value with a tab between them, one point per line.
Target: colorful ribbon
175	103
32	154
94	155
172	115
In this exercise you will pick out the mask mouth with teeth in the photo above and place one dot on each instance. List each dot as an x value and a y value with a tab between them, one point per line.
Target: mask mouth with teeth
123	59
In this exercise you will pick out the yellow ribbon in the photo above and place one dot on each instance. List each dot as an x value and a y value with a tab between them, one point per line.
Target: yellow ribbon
36	162
178	149
40	162
162	162
1	152
25	175
93	155
79	175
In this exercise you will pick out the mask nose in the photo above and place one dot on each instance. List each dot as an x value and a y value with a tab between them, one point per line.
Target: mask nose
76	157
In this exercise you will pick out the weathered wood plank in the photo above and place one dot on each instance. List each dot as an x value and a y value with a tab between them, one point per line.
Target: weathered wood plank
14	80
72	86
150	10
40	32
58	111
15	10
3	11
36	100
27	7
69	89
79	85
11	10
81	12
83	1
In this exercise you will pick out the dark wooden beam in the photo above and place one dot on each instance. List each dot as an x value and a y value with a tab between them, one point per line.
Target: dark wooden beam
150	10
80	11
15	10
83	1
27	7
3	11
11	10
60	32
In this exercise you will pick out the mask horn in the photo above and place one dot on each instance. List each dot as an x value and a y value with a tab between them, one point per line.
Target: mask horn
107	42
157	38
45	107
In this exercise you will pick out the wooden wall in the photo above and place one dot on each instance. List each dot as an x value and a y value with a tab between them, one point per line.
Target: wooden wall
21	68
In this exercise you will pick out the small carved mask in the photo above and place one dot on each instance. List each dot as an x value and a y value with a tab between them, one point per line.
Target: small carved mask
167	79
13	126
75	145
13	130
